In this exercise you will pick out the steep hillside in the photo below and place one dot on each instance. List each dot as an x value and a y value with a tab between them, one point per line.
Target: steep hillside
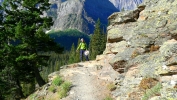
126	4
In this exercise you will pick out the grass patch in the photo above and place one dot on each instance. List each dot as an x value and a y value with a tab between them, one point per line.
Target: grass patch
52	89
32	97
152	92
57	81
108	98
111	87
63	89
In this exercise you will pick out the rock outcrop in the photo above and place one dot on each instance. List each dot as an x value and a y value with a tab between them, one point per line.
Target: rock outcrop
144	42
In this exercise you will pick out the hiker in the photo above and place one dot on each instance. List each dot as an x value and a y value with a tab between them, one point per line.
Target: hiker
83	47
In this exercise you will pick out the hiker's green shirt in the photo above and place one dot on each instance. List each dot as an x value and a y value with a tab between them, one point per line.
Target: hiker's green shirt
82	46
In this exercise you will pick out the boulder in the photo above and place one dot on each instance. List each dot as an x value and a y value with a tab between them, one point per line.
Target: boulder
120	60
116	47
169	48
125	17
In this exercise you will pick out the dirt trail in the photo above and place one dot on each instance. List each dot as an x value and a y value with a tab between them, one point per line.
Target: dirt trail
86	84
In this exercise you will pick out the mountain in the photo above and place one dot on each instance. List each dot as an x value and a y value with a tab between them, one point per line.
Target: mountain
81	14
126	4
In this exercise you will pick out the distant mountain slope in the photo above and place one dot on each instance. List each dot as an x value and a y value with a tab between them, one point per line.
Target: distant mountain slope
81	14
67	37
126	4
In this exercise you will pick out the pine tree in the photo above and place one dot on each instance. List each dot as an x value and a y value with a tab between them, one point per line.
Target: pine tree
24	23
97	42
72	55
103	41
77	57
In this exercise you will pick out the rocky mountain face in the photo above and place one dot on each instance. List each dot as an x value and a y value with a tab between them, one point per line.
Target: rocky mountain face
144	44
81	14
126	4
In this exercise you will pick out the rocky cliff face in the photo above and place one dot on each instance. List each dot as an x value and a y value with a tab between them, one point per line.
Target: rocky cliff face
81	14
144	42
126	4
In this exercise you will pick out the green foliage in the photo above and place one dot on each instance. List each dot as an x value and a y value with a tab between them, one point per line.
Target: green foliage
54	63
57	81
98	41
108	98
32	97
72	57
28	88
153	91
64	88
111	87
67	37
52	88
21	22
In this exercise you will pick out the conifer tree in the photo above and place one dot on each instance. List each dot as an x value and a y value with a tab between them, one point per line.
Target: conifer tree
23	22
77	57
72	55
97	42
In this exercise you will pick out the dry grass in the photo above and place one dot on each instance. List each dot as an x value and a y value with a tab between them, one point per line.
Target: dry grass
134	54
147	83
154	48
111	87
135	95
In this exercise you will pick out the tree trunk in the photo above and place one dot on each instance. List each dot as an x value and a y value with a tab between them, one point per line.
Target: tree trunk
1	97
20	89
39	79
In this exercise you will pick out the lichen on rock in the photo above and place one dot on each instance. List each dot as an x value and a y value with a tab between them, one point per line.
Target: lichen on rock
152	47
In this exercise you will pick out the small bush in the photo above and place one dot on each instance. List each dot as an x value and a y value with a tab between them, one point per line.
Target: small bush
147	83
52	89
32	97
63	89
108	98
57	81
111	87
153	91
